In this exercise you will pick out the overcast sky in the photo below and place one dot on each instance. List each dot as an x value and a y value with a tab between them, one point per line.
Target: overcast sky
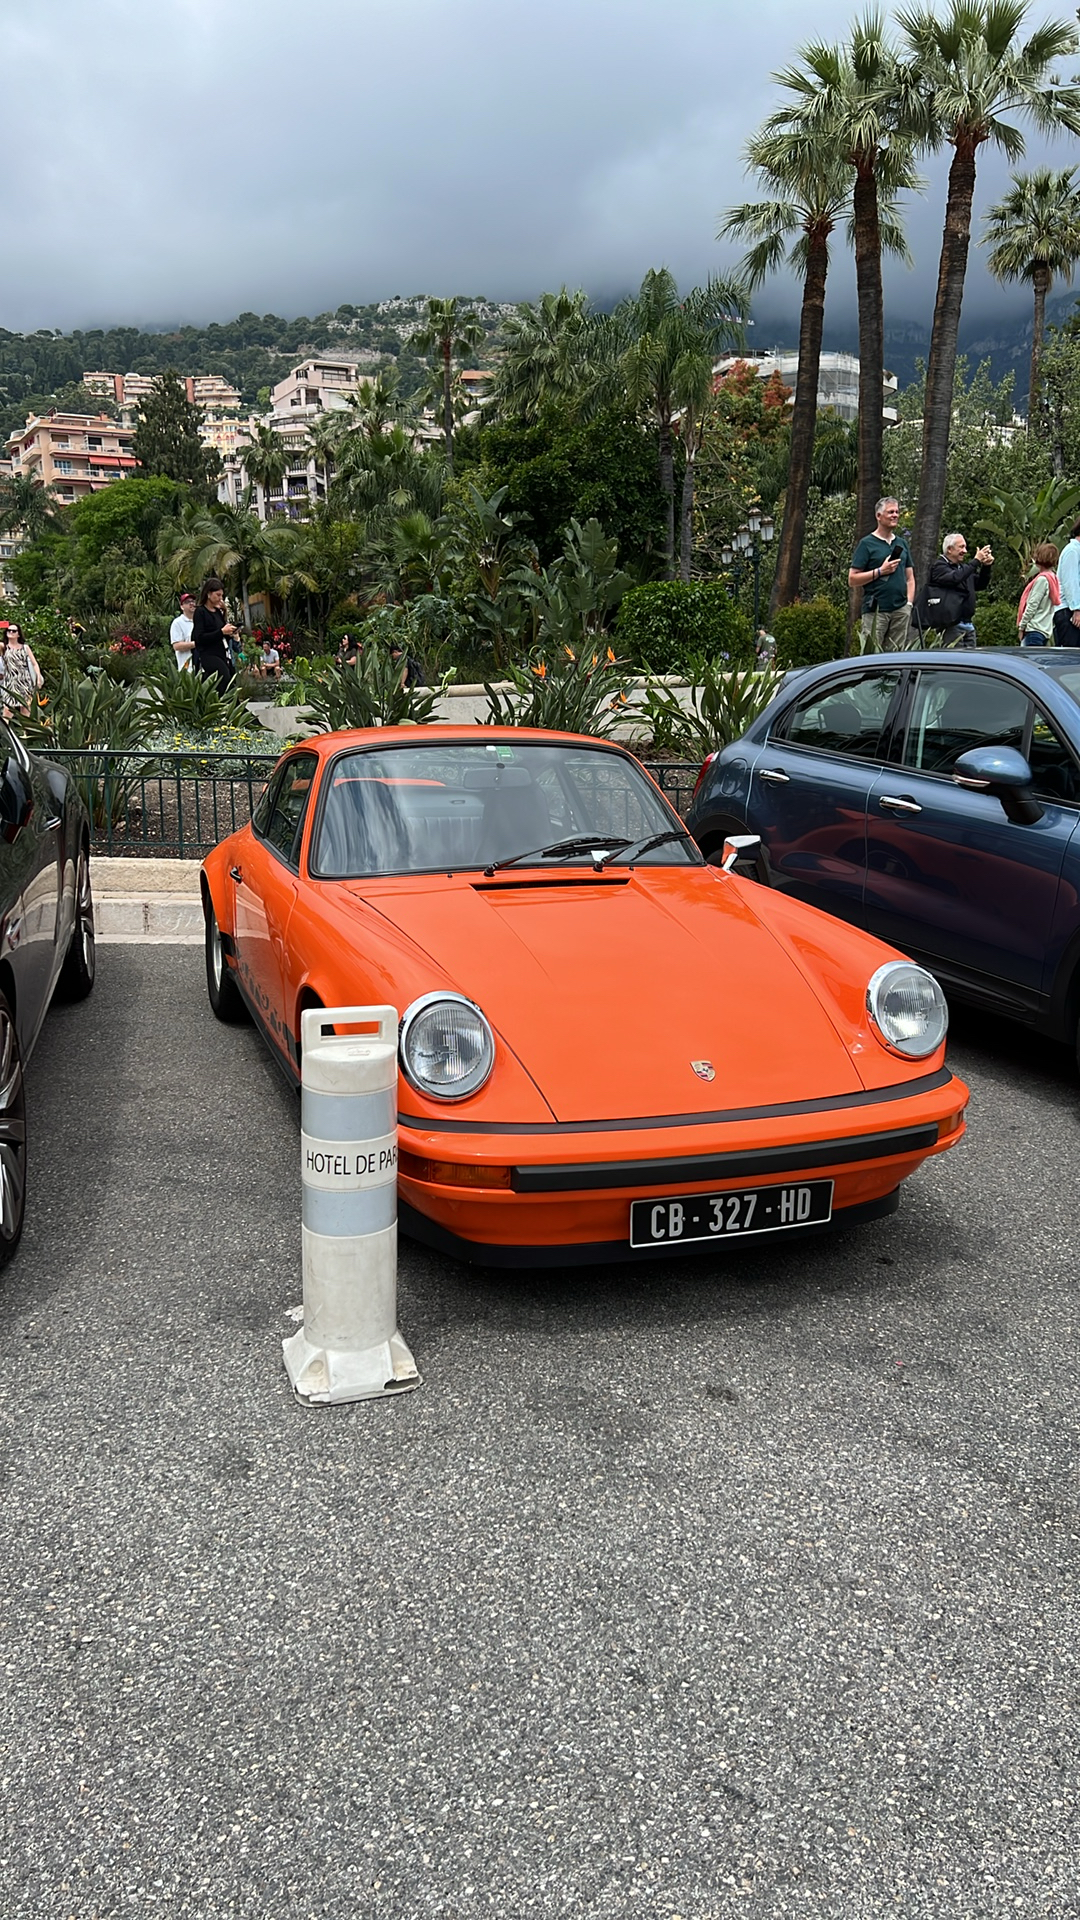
171	160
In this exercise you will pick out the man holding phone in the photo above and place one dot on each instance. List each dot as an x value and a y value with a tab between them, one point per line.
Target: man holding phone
881	566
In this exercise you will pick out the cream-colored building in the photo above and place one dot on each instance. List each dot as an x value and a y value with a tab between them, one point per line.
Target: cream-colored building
838	379
73	453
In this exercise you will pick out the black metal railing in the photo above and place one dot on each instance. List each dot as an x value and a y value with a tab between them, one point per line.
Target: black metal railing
179	805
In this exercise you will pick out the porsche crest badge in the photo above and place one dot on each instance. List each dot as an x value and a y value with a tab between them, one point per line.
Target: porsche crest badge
704	1069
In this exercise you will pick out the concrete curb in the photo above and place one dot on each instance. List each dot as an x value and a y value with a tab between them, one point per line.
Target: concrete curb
147	900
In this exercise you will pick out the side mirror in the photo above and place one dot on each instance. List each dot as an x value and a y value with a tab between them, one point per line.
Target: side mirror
16	799
739	846
1004	773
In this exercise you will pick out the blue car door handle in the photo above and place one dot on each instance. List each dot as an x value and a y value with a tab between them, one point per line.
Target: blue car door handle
898	804
774	774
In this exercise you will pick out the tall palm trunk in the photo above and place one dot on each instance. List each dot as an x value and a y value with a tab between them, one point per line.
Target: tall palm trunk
448	407
667	488
686	504
803	421
941	364
1041	283
871	340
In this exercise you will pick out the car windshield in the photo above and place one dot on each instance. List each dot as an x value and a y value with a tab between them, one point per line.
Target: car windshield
1066	673
455	806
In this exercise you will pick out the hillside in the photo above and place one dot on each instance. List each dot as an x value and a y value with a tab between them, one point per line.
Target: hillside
252	351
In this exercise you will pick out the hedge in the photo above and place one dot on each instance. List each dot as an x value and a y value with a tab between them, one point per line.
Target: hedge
808	632
666	623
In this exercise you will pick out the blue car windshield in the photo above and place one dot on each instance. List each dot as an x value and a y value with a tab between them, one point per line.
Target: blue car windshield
449	806
1066	673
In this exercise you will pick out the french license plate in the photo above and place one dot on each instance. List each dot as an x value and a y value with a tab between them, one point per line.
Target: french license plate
727	1216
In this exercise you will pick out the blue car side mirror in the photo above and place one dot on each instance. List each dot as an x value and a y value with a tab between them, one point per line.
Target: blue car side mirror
1004	773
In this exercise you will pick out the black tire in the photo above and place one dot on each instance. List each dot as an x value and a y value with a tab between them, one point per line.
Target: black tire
76	977
226	1000
12	1135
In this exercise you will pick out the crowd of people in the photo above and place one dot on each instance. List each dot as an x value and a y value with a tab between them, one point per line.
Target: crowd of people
942	610
205	639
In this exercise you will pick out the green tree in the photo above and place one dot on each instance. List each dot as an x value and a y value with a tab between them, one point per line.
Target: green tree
1033	234
859	96
168	437
558	467
548	354
810	186
975	75
26	506
265	461
448	331
667	367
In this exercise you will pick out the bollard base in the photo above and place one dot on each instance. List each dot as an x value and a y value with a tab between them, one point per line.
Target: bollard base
331	1376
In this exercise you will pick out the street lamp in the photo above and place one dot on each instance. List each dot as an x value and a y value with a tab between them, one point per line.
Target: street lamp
748	543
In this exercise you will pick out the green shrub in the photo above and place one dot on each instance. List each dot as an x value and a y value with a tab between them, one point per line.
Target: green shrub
371	694
573	692
723	702
665	624
809	632
995	623
88	713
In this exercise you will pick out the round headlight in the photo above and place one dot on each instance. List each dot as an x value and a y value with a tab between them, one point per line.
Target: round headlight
447	1048
908	1009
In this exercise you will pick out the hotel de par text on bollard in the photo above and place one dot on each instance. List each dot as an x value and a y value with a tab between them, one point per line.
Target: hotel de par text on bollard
349	1347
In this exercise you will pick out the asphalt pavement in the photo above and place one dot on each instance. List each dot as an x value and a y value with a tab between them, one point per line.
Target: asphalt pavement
744	1586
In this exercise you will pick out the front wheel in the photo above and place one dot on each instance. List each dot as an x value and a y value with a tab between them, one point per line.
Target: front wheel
76	977
226	1000
12	1135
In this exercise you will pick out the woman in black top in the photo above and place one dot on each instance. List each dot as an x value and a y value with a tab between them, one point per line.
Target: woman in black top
211	628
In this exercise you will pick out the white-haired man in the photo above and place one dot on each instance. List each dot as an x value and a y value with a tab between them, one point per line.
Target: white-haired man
946	604
881	566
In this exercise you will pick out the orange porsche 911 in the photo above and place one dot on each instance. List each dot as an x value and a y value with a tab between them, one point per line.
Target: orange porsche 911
608	1049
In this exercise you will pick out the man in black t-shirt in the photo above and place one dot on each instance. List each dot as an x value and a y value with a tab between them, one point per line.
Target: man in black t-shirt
881	566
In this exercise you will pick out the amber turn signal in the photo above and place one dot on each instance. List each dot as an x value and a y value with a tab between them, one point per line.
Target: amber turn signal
451	1173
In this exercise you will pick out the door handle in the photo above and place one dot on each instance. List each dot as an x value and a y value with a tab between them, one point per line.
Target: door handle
899	805
774	774
235	873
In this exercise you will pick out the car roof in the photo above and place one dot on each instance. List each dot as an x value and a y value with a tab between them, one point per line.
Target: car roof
966	658
446	734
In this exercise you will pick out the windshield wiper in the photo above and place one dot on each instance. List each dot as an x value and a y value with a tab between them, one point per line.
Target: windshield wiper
630	852
594	843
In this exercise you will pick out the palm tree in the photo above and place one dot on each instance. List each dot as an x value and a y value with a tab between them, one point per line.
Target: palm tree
265	461
217	539
450	332
1033	234
547	353
973	73
860	96
667	364
26	506
810	180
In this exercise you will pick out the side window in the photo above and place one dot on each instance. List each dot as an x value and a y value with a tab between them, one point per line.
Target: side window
264	806
291	794
952	712
844	716
1055	773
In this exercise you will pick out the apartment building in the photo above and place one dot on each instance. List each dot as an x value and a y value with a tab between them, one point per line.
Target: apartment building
73	453
838	379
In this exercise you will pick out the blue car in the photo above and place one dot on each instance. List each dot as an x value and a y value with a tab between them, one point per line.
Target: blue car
932	798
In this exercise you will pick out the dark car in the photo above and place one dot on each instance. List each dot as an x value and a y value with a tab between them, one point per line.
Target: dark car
932	798
46	938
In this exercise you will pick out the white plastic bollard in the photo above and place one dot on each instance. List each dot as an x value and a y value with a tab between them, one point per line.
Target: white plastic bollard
349	1347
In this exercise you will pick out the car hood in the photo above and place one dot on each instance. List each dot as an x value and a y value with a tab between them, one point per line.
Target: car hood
609	991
